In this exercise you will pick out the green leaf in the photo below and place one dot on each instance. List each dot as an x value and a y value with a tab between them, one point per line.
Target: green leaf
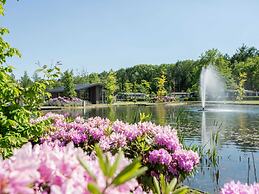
182	190
162	183
1	10
86	168
93	188
156	185
171	186
115	164
101	160
131	171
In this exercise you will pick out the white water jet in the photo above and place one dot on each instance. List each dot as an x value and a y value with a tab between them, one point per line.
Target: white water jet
212	85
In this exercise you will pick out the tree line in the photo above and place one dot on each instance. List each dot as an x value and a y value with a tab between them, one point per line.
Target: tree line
240	71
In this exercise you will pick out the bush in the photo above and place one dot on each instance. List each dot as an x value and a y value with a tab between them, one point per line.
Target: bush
251	98
17	106
158	146
65	101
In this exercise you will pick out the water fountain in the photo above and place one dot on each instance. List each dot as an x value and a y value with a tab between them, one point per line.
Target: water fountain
212	85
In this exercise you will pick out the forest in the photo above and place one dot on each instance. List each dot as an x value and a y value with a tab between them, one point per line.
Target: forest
239	70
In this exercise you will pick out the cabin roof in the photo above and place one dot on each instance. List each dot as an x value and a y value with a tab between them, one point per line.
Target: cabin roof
78	87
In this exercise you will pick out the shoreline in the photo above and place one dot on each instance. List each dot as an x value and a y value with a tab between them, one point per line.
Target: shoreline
245	102
114	104
255	103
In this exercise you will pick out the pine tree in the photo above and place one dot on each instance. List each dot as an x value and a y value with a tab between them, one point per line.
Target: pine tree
68	83
25	80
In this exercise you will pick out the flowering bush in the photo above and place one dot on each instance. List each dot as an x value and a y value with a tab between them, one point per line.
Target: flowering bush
54	169
65	101
239	188
164	99
158	146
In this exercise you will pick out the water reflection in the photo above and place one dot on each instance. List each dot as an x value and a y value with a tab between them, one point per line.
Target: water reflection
204	134
160	114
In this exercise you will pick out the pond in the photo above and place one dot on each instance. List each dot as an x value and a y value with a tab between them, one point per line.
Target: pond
238	127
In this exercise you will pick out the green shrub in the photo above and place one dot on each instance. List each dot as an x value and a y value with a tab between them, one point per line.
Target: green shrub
17	106
251	98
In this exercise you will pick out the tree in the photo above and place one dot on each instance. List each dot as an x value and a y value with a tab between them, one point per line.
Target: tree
128	87
243	53
94	78
68	83
35	76
81	77
145	87
183	75
241	89
251	68
136	87
161	86
122	79
110	86
25	80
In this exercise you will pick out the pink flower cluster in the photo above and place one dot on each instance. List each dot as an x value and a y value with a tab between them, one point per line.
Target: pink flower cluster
168	138
110	135
160	156
239	188
64	101
184	160
50	115
56	170
166	147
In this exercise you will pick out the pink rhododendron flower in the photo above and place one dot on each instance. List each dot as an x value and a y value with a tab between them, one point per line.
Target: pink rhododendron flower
186	159
118	134
52	169
239	188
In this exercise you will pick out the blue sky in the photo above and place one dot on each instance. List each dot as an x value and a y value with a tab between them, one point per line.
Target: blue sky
98	35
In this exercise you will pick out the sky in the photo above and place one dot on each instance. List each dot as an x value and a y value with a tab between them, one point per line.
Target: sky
98	35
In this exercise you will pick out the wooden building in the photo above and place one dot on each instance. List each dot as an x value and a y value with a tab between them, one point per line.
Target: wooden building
93	93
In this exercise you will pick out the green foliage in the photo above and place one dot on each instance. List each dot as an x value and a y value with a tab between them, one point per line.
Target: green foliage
183	75
145	87
243	53
109	170
161	86
110	86
164	187
128	87
241	89
36	77
2	7
251	68
17	105
144	117
5	49
84	77
67	80
94	78
25	80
